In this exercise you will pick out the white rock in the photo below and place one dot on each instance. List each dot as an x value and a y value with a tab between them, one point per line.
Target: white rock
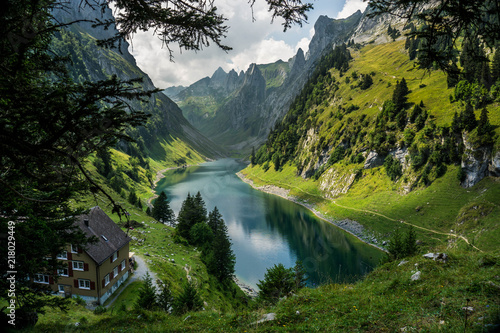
415	276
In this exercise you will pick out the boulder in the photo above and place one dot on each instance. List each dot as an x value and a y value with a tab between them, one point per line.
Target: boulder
441	257
266	317
373	160
416	276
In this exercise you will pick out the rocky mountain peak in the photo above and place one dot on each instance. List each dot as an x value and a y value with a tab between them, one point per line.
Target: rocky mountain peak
219	75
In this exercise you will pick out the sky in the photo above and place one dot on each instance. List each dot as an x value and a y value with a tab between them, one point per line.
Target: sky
253	42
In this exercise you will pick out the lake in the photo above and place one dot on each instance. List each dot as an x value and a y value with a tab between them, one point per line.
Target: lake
266	229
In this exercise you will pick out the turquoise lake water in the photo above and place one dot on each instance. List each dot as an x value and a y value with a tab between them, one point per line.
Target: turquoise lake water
267	230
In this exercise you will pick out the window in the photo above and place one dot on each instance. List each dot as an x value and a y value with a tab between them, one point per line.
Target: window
42	278
115	272
83	284
123	264
106	280
63	255
115	256
60	288
62	272
78	265
74	248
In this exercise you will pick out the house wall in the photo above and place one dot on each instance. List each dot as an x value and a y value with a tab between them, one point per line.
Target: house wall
107	267
94	273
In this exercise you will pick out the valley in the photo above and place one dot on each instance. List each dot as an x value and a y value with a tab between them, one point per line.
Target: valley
353	187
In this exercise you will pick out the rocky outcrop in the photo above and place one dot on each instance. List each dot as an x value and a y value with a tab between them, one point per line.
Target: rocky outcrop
242	117
494	167
373	160
335	182
475	163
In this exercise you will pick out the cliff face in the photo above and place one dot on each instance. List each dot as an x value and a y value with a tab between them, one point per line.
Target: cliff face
94	63
238	111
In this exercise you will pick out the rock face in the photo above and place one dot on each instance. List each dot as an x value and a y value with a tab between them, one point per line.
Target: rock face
373	160
494	167
477	162
238	111
99	63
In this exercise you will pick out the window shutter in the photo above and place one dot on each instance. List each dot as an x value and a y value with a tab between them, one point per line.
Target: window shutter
70	256
117	253
75	283
119	268
85	267
103	283
92	285
70	269
111	259
111	275
51	280
79	250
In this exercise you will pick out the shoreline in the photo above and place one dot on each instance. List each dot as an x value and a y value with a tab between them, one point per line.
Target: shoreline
350	226
159	176
249	291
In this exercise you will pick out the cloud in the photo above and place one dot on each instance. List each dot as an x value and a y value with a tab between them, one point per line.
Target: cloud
350	7
256	41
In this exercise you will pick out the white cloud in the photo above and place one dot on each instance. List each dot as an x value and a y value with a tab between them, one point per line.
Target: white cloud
260	42
350	7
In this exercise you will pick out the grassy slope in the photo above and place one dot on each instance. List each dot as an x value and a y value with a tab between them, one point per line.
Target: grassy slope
374	200
386	300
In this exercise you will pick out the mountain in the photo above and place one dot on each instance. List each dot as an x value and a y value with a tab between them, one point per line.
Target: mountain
166	126
237	111
373	138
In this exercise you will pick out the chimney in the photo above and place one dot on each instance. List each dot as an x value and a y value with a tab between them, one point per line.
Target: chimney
86	221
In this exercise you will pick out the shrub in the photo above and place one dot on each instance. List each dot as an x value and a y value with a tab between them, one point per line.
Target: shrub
187	300
100	310
79	300
280	281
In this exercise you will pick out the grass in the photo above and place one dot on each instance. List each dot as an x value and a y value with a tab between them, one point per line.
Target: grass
387	300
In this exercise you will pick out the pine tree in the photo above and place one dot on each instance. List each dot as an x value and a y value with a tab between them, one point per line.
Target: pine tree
456	124
220	259
200	209
410	243
252	157
132	198
471	60
147	294
395	248
161	210
485	77
399	96
300	275
495	67
278	282
468	118
164	298
187	300
484	128
201	234
186	217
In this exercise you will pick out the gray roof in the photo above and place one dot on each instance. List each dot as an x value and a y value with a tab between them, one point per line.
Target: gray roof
99	225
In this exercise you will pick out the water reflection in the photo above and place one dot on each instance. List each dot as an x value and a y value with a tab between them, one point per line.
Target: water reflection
267	229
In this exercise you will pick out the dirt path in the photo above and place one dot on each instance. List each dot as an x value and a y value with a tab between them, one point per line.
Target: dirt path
287	196
139	274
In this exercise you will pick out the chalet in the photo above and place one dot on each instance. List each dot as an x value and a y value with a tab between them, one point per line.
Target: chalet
93	273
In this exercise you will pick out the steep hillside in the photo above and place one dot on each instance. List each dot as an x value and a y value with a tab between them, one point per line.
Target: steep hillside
91	62
358	143
237	111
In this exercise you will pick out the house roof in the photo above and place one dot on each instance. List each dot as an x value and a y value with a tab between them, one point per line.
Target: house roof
110	237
